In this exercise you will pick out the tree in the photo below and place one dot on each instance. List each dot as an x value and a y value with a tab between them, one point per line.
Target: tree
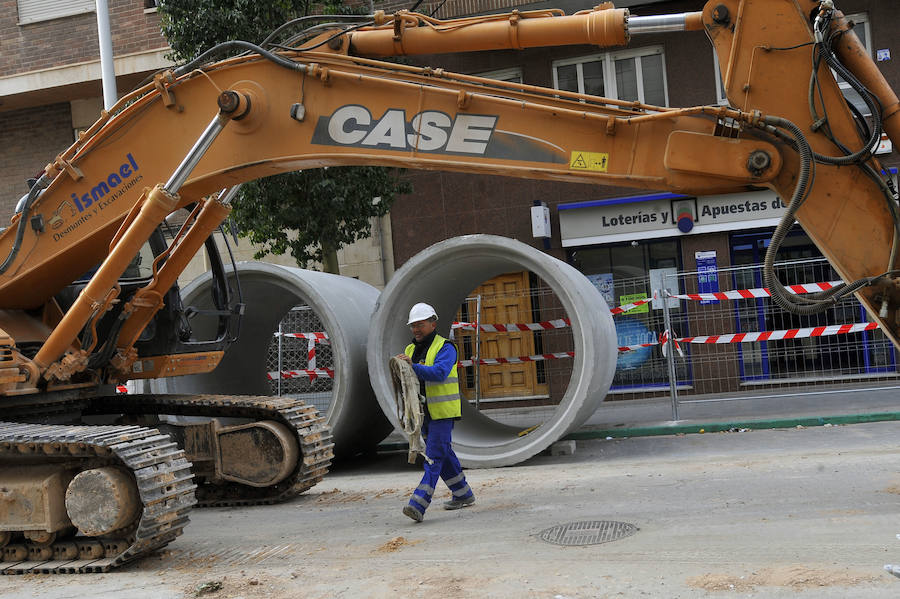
336	210
192	26
311	213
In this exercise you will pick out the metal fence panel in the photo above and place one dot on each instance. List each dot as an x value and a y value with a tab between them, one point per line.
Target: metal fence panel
289	353
701	371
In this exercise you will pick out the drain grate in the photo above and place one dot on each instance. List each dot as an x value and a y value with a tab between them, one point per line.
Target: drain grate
587	533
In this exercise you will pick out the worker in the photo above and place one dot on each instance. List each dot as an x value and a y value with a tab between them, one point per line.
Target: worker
433	359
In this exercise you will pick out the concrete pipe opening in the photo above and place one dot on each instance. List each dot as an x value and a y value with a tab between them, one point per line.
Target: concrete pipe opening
301	301
444	275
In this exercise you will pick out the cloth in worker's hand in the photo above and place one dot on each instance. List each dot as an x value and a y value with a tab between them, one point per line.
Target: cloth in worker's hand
409	405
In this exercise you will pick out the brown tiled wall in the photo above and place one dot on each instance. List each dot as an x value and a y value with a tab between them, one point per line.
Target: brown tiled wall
73	39
29	139
444	205
714	366
447	204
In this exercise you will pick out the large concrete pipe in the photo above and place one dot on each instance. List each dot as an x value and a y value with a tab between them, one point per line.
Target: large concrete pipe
343	304
443	275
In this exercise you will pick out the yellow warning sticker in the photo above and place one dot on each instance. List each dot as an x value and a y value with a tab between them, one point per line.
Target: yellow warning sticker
589	161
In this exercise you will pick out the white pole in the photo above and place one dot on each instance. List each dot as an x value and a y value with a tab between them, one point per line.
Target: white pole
107	68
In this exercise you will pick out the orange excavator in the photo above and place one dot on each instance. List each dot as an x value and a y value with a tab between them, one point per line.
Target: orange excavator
88	295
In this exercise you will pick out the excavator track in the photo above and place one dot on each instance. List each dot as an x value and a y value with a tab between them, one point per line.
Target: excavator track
312	433
163	477
165	483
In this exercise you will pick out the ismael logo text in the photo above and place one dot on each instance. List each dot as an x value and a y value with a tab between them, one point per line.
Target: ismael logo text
101	195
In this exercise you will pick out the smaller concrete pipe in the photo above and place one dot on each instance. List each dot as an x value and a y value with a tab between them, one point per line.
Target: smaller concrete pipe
343	304
443	275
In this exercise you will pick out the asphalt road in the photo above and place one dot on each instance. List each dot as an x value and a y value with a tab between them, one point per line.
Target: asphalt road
773	513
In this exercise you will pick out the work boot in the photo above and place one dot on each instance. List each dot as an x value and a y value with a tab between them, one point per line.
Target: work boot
455	504
413	513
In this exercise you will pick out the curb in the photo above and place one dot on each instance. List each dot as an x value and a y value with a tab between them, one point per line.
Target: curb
624	431
717	427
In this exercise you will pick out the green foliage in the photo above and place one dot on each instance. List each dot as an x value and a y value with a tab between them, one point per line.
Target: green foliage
304	211
192	26
311	213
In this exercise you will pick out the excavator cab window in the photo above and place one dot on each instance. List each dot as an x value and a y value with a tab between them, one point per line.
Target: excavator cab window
208	325
141	267
171	331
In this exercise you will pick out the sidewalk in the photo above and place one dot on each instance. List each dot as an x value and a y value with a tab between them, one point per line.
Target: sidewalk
764	409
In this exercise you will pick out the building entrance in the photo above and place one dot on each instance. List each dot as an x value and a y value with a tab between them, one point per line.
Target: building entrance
839	356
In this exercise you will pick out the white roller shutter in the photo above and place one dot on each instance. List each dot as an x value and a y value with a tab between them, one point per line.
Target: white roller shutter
32	11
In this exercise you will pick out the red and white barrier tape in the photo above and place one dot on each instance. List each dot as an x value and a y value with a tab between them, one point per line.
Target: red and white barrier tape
502	328
825	331
757	292
539	326
312	339
518	359
319	337
834	329
311	374
311	354
627	307
718	295
624	348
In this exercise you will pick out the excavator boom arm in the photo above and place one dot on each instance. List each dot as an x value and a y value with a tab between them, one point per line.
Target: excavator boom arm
337	110
308	109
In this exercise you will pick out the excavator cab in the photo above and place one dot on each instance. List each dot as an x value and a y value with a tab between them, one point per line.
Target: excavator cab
172	331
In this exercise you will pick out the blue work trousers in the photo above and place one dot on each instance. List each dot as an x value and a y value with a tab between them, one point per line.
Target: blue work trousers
445	465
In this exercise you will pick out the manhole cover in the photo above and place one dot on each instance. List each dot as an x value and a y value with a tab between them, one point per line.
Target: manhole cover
587	533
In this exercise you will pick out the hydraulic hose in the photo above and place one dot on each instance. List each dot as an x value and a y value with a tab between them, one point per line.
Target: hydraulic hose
778	292
36	189
875	107
825	50
366	19
238	44
819	302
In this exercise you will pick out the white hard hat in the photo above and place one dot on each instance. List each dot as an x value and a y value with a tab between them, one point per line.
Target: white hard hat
420	312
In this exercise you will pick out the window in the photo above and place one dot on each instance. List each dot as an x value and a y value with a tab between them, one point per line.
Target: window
150	5
628	75
862	32
721	99
33	11
626	273
513	75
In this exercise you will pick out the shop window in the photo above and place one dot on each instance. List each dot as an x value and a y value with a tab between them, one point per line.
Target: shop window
808	358
633	75
628	273
34	11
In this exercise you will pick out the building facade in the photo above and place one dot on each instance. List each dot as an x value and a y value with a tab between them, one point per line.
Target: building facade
50	89
50	77
630	243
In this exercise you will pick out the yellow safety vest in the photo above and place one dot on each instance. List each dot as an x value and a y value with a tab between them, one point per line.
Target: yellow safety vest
441	398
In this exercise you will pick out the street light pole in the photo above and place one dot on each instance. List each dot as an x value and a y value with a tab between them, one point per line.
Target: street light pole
107	67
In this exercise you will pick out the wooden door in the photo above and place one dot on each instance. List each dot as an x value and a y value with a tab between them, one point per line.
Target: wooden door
504	299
